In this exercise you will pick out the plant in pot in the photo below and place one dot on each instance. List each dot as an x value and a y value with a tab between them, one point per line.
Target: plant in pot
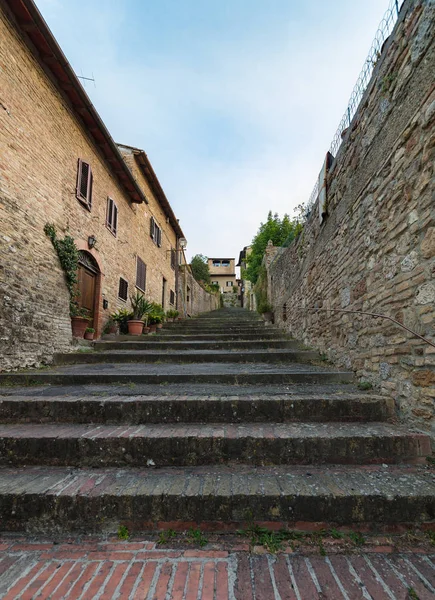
89	333
157	314
121	318
139	306
111	326
172	314
79	319
266	311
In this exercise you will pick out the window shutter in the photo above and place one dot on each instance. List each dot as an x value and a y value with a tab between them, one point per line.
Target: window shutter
141	272
152	228
84	183
171	297
90	182
159	237
115	219
123	289
112	215
173	258
109	213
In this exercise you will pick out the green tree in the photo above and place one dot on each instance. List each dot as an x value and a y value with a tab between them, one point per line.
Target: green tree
200	268
280	231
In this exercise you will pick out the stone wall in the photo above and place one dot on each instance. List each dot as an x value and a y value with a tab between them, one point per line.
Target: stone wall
194	299
41	140
375	250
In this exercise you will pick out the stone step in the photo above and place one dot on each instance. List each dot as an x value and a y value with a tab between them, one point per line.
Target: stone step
167	336
220	373
188	356
63	499
155	343
106	408
192	444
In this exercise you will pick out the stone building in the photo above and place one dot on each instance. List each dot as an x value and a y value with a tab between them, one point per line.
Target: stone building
223	273
60	165
247	299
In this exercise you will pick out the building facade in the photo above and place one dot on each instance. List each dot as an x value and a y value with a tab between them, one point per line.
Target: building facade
60	166
223	273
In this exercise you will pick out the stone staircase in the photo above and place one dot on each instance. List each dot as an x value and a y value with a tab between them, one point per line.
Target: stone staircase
214	422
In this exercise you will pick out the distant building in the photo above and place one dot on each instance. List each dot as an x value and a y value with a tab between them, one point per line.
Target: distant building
223	273
246	295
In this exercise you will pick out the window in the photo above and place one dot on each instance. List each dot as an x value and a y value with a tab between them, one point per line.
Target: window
229	284
155	232
225	263
173	258
123	289
112	216
141	274
216	263
172	297
215	282
84	184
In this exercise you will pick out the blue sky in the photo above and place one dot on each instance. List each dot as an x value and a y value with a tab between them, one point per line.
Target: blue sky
234	101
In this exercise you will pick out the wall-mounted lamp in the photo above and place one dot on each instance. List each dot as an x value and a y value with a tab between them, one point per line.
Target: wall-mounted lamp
92	240
105	304
183	243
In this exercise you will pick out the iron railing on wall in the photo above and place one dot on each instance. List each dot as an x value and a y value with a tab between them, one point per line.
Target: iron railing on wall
385	27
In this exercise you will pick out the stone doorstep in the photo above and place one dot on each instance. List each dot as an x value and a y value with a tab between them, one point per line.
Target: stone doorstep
199	444
136	409
65	499
181	356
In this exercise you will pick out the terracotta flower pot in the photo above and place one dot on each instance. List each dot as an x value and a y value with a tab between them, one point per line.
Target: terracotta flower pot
153	328
146	330
135	327
89	336
159	325
78	326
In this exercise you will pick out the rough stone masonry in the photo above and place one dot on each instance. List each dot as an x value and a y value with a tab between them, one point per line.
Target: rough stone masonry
375	250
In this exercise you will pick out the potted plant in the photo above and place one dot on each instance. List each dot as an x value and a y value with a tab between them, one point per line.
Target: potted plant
89	333
79	319
266	311
121	318
111	326
140	307
172	314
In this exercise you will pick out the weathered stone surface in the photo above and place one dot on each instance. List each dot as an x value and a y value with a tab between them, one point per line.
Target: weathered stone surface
374	251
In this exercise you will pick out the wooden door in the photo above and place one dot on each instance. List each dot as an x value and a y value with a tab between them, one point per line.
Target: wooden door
86	285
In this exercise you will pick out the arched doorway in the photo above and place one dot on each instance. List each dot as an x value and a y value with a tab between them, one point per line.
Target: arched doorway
88	285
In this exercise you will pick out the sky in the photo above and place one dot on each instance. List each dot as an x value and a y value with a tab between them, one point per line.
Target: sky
235	102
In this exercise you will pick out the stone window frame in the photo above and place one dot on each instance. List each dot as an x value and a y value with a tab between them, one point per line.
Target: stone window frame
112	216
229	284
123	285
173	258
84	184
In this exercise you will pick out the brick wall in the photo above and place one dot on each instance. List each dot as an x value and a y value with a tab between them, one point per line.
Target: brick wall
375	251
41	139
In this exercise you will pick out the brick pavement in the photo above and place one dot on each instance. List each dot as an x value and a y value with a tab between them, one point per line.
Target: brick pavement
140	569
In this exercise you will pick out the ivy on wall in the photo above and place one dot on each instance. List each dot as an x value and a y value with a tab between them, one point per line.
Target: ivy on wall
69	261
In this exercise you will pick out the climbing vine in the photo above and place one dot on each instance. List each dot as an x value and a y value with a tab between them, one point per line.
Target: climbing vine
69	261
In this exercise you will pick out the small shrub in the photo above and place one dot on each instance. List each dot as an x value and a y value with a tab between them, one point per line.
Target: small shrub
123	533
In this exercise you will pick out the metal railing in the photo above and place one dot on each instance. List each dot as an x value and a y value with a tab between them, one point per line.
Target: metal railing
385	27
